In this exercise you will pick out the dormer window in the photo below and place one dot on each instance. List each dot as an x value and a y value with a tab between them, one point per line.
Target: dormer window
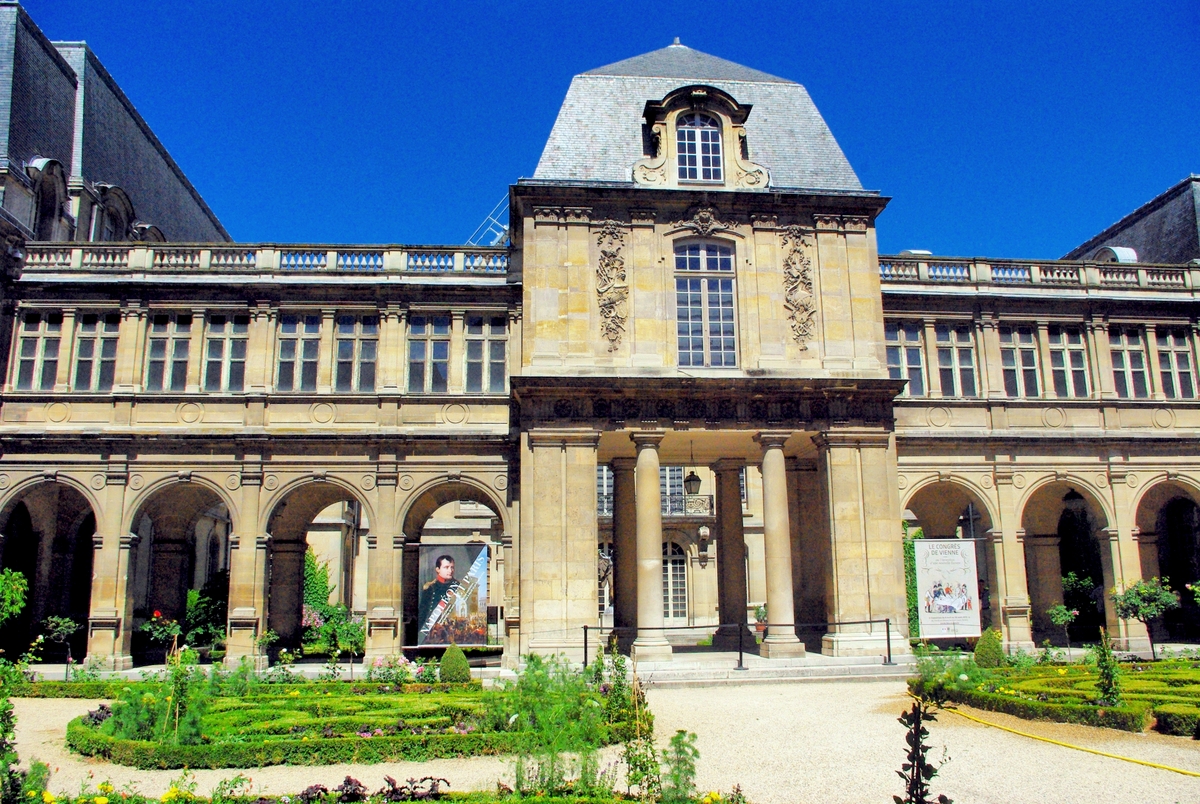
699	148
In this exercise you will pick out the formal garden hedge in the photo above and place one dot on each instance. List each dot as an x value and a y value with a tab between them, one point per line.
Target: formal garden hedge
1164	694
113	688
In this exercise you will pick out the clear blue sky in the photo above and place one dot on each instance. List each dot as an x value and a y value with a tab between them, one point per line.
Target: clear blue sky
998	129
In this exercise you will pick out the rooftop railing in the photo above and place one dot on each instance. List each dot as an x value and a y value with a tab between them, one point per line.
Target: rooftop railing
1058	273
264	258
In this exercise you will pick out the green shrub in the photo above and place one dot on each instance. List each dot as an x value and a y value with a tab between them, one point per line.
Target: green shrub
1133	717
1180	719
454	668
989	650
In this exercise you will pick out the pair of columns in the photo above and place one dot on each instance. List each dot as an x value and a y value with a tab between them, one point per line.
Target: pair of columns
637	531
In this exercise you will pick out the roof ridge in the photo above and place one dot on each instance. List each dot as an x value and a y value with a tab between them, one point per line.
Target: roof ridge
682	62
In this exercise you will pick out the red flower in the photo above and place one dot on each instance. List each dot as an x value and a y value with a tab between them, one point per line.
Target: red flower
157	613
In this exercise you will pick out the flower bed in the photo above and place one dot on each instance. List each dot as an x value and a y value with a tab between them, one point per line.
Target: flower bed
1165	693
112	688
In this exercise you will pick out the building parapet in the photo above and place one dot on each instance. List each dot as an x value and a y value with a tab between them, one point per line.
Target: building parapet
263	258
909	270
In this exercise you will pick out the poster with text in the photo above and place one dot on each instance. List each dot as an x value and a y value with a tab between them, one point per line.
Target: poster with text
452	600
947	588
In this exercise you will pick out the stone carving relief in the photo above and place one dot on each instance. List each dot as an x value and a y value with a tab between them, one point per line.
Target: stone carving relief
611	288
798	297
706	221
652	170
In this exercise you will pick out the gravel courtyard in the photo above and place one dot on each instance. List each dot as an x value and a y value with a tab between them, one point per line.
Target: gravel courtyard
784	743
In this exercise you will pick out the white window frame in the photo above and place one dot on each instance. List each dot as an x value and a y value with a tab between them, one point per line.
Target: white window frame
432	331
1176	365
906	355
1019	360
956	359
705	284
168	349
95	351
226	342
486	353
1068	361
699	153
356	353
37	350
298	352
674	582
1127	345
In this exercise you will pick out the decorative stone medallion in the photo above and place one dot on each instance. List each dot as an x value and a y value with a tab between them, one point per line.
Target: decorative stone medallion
97	482
1102	481
270	482
1053	417
1132	480
367	482
1163	418
190	412
5	481
1019	481
454	414
136	482
500	482
986	481
406	482
233	482
323	413
939	417
57	412
902	481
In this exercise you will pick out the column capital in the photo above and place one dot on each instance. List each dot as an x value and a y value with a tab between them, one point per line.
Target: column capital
623	464
728	465
647	438
851	438
798	465
772	438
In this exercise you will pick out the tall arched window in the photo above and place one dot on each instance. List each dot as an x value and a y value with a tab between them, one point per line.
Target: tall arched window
674	582
704	305
698	138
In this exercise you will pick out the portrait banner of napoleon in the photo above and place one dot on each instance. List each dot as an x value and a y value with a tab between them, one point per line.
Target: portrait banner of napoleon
452	604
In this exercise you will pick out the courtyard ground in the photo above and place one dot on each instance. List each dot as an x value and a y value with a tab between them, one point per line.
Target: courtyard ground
784	743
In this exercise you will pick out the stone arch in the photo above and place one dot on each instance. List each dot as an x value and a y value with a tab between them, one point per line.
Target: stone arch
1066	524
290	516
422	504
954	508
136	509
48	528
165	520
49	198
1167	516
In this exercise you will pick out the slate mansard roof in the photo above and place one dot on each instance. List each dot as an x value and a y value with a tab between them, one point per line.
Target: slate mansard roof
598	133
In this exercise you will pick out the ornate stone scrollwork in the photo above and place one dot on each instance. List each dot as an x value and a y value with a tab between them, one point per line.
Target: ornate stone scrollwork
652	170
611	288
706	221
798	296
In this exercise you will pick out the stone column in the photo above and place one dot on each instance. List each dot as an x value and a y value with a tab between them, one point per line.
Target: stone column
247	577
625	557
1120	552
1008	553
111	615
812	548
781	639
731	559
651	643
1148	554
1044	574
385	573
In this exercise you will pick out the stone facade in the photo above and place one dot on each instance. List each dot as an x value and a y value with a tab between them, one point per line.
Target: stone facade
660	408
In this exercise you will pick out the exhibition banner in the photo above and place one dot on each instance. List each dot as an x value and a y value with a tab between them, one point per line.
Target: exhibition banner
452	604
947	588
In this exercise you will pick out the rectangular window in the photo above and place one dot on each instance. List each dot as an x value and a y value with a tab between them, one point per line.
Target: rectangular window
1129	362
956	359
904	355
167	344
604	490
428	354
225	353
1068	361
357	351
487	338
38	342
1018	359
1175	362
299	351
704	306
96	351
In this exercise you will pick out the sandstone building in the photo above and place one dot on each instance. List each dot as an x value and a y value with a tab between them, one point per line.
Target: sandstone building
689	387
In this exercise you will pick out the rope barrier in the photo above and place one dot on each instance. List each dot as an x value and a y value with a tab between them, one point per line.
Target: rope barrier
1076	747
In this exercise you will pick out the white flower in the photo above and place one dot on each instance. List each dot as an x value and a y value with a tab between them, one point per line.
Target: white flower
962	676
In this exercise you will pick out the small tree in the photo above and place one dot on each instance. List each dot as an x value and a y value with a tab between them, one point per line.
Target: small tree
917	771
454	667
989	650
1062	616
13	588
1109	682
60	629
1145	601
351	638
1194	588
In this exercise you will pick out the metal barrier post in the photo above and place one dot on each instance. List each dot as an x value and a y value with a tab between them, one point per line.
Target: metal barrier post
585	646
888	626
740	666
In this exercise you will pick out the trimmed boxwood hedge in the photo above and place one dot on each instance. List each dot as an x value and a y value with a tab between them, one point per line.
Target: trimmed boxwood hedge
1127	718
112	688
89	741
1180	719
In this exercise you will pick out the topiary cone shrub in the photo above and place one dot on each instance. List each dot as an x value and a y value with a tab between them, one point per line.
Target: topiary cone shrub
454	667
989	650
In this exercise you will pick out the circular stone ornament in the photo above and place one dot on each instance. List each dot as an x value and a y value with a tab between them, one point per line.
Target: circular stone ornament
97	482
271	482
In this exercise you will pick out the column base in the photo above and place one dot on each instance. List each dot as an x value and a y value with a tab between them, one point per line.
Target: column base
259	661
120	661
726	638
782	648
650	651
864	644
1135	644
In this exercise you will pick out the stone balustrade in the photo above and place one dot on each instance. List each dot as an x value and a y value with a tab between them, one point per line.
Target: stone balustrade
1058	273
263	258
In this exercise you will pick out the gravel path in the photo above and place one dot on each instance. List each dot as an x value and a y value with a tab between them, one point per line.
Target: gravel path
784	743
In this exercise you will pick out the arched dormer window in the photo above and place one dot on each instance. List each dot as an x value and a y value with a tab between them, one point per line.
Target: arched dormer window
698	138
